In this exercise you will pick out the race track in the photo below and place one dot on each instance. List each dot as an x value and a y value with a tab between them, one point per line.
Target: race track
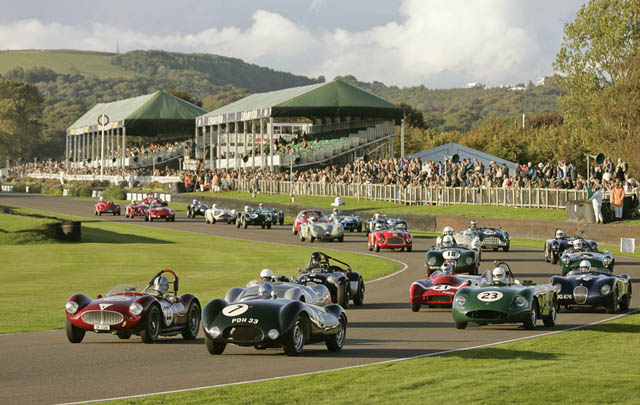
43	367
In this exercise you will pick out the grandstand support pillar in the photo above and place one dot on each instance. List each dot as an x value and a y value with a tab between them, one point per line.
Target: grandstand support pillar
212	162
94	146
227	135
244	144
253	144
124	145
66	150
270	132
195	143
111	141
401	138
219	145
261	143
235	145
80	147
75	148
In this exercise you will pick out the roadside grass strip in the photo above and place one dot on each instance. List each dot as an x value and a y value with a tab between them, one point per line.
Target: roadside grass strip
19	230
38	278
590	365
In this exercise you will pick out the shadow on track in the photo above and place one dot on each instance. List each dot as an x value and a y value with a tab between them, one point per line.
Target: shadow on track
93	235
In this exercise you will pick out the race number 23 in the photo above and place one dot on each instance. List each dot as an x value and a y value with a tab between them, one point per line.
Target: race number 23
489	296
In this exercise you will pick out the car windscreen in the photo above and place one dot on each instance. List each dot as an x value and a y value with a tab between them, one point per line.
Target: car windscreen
124	289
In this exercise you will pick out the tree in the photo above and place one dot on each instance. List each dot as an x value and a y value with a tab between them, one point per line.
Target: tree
185	96
20	125
412	116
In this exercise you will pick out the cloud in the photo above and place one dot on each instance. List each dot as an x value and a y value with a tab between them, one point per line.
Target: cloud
435	43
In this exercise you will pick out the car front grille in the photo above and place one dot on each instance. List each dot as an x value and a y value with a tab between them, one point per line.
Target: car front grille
485	314
491	242
102	317
440	298
395	240
244	334
580	294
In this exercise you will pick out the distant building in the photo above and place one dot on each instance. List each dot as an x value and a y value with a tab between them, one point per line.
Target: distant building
475	85
464	152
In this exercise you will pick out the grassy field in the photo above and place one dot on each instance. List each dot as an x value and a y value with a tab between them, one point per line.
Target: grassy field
38	278
18	230
63	61
599	366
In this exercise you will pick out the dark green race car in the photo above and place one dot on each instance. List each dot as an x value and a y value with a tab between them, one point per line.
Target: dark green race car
505	300
492	238
571	258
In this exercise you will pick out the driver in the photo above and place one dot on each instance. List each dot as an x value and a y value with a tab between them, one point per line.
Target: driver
448	241
101	199
447	230
261	206
474	224
446	268
315	261
266	291
585	266
560	234
377	215
334	214
499	276
266	275
577	244
161	286
379	226
194	203
246	208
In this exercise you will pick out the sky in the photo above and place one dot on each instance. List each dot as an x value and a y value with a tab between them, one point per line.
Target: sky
435	43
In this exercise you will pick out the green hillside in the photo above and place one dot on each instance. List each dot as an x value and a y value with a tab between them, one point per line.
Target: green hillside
65	62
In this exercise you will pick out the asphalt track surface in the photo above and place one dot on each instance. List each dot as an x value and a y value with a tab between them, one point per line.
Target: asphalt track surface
43	367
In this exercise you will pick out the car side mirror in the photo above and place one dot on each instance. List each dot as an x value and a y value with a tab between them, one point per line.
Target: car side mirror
299	270
99	296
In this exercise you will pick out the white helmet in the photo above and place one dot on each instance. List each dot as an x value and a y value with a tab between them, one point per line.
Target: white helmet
474	224
194	202
446	268
161	285
447	241
560	234
101	198
577	244
261	205
246	208
585	266
266	274
499	275
376	215
447	230
379	226
214	206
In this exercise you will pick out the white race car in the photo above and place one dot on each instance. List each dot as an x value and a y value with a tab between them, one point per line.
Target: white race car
321	229
215	213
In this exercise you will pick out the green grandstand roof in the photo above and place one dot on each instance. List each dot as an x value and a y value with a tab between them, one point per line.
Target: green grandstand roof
150	114
333	99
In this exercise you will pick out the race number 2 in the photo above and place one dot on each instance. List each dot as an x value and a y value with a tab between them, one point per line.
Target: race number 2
489	296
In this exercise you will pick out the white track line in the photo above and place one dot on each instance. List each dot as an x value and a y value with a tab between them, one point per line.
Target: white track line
359	365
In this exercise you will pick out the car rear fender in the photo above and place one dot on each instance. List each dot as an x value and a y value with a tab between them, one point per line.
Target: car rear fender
187	299
336	310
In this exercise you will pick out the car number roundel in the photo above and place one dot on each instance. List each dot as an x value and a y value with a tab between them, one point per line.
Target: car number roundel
440	287
489	296
235	310
450	254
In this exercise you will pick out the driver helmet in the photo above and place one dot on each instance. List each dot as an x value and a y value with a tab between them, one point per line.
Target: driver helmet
585	266
194	202
379	226
161	285
315	258
266	275
447	230
101	198
376	215
246	208
447	241
261	205
474	224
265	290
133	202
560	234
214	206
577	244
446	268
499	275
335	211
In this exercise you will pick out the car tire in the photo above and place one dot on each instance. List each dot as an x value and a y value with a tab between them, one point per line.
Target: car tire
547	250
151	325
269	225
168	219
214	347
312	238
123	334
506	248
293	230
495	249
238	224
213	220
343	295
301	237
612	305
554	258
335	342
359	229
625	301
550	320
358	299
294	342
146	218
74	334
262	225
341	239
415	306
377	246
461	325
173	218
281	221
192	326
530	322
409	248
244	224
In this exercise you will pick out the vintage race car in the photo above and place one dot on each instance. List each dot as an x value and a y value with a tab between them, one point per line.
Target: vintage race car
387	237
196	208
464	259
311	293
155	200
343	283
159	212
351	222
272	322
136	210
253	216
277	216
128	310
377	217
438	290
598	287
493	238
303	216
571	259
554	248
321	229
106	207
511	302
215	214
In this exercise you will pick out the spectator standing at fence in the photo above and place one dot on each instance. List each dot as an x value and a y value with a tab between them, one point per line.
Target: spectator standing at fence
596	200
617	199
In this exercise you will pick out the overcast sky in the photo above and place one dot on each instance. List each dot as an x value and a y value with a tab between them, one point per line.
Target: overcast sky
436	43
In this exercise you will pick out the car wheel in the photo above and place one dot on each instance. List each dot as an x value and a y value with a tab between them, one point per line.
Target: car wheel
461	325
213	220
146	218
168	219
214	347
341	239
123	334
95	213
377	246
312	238
193	322
293	229
495	249
74	334
262	225
343	295
151	325
415	306
301	237
244	223
294	343
409	248
554	258
358	299
281	221
115	213
351	230
550	320
336	341
625	301
530	322
359	229
269	225
506	248
173	218
238	224
612	306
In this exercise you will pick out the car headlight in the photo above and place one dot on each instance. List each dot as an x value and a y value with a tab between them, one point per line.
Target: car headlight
460	301
135	309
605	289
469	260
520	301
432	261
71	307
214	331
273	334
566	260
316	229
557	287
331	279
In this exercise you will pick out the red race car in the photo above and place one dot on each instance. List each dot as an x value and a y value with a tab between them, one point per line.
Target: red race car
303	216
149	312
159	212
385	236
106	207
439	288
135	210
155	200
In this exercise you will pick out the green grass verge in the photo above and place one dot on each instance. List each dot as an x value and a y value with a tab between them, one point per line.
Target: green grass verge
19	230
38	278
600	367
